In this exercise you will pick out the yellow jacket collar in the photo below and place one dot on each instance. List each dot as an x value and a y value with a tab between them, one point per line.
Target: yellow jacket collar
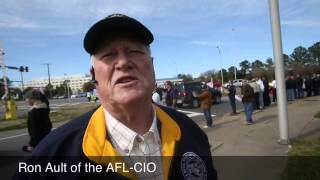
99	149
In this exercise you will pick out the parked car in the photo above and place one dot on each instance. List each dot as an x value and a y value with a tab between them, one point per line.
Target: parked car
185	96
73	96
236	83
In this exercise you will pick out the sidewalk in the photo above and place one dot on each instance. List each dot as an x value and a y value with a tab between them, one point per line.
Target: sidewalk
255	147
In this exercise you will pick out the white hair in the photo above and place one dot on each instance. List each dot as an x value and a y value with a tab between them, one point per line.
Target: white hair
92	60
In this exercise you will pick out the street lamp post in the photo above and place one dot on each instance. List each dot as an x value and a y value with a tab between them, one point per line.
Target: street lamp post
221	69
22	84
235	68
279	72
66	82
3	67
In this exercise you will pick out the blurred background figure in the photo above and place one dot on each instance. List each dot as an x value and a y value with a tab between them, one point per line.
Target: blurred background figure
308	85
274	90
315	84
232	98
290	88
261	102
256	90
39	124
266	97
299	81
156	97
248	100
172	95
205	104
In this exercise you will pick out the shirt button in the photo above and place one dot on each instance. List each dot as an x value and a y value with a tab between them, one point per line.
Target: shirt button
126	150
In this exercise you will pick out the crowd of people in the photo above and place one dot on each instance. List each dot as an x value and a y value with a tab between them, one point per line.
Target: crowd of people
256	94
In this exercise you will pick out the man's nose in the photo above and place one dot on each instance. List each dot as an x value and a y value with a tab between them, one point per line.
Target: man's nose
123	62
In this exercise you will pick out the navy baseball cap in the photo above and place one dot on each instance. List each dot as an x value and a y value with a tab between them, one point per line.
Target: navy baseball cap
112	26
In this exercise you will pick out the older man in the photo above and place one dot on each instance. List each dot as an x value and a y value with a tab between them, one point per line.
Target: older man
127	125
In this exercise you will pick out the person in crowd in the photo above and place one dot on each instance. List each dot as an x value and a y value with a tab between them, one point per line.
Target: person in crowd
127	127
156	97
248	100
266	97
299	82
294	86
290	88
256	90
39	124
160	92
315	85
318	83
308	83
274	91
232	98
205	104
172	95
262	89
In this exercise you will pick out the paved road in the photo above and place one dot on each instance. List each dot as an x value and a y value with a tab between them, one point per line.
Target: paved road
23	107
12	141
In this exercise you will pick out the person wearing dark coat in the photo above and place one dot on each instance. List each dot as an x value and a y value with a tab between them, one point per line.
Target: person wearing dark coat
231	95
39	124
315	85
266	97
290	88
248	100
299	82
308	84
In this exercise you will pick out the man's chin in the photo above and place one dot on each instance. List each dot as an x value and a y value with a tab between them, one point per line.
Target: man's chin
131	98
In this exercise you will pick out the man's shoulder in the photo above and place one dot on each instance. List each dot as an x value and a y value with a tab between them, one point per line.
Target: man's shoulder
61	140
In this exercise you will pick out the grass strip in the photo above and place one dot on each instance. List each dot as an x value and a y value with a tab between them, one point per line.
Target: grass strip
65	113
303	161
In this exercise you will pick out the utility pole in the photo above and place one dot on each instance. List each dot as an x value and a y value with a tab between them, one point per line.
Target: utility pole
235	68
49	81
279	70
66	83
5	83
22	85
221	68
48	68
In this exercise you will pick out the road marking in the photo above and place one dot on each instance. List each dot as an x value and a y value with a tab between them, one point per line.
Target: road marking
73	104
11	137
193	114
18	135
61	104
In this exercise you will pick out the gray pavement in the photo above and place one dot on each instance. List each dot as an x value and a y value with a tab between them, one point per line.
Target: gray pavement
252	151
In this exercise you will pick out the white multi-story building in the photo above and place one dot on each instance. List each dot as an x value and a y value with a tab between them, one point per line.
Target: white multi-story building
75	81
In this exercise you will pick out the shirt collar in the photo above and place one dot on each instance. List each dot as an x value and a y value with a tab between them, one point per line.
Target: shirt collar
122	137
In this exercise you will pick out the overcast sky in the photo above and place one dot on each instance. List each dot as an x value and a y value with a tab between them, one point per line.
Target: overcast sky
187	32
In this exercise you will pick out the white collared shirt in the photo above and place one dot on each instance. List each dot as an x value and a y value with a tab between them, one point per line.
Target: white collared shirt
134	147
